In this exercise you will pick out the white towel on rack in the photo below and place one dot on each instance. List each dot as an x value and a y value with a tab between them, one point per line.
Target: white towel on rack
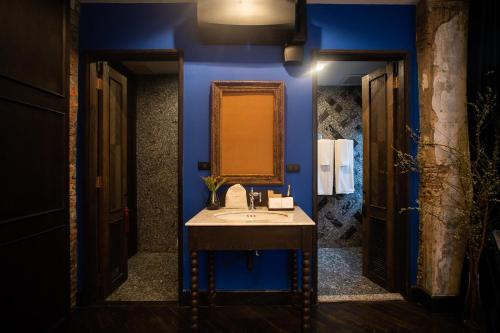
325	166
344	166
343	152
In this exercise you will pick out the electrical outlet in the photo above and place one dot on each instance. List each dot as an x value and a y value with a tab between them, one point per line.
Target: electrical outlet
203	165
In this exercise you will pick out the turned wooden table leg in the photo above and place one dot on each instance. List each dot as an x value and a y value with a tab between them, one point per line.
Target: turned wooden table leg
295	284
306	294
194	290
211	278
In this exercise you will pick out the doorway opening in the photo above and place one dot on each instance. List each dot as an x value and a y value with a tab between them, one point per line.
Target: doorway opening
133	176
360	105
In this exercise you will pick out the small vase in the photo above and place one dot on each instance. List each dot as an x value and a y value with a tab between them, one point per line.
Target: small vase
213	201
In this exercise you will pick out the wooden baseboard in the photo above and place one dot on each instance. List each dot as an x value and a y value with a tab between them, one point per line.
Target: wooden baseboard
436	304
244	298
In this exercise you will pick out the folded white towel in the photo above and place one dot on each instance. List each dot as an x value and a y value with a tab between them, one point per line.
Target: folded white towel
344	166
343	152
325	152
325	166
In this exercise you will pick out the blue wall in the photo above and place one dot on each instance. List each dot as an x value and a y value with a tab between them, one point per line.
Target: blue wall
166	26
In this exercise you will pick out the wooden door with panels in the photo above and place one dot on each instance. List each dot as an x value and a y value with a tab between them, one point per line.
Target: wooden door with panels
109	104
380	98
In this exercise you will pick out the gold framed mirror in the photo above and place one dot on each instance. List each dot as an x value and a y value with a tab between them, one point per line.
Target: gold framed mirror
247	131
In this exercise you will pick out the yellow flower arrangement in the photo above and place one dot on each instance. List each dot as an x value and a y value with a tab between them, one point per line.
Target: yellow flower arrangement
213	183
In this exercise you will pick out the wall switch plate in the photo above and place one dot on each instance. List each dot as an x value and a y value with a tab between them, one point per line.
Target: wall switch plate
203	165
292	167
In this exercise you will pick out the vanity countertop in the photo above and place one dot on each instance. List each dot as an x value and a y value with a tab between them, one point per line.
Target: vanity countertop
222	217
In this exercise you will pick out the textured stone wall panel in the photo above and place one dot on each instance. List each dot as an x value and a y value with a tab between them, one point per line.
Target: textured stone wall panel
340	117
157	139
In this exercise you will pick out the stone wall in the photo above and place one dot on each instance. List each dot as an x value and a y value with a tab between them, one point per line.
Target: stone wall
74	20
340	117
442	60
157	139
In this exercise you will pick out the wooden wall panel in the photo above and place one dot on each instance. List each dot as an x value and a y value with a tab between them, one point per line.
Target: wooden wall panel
34	239
33	275
33	43
33	144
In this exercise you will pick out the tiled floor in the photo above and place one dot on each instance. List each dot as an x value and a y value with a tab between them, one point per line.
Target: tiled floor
152	276
340	276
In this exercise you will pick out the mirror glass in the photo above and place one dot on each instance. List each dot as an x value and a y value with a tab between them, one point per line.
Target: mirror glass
247	131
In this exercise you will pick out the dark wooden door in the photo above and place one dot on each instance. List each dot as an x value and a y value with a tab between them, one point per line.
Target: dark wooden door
378	175
112	177
34	236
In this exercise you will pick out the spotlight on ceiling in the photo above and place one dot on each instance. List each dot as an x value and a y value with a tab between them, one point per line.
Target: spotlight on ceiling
320	66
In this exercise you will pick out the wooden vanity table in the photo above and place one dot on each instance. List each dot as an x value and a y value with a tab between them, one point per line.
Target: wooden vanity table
217	231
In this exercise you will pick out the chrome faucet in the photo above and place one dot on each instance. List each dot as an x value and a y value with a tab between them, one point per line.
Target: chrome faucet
253	195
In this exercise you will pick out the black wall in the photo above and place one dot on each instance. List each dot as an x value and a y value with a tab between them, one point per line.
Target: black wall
483	58
483	72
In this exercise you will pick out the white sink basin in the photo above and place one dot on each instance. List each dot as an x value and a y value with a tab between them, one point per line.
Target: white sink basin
252	216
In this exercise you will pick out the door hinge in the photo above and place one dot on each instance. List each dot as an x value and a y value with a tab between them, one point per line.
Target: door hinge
396	82
99	182
98	84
